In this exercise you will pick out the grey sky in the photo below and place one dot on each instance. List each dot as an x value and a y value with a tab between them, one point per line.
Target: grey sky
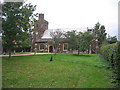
79	13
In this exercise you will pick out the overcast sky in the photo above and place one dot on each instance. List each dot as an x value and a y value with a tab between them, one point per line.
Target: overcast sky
79	13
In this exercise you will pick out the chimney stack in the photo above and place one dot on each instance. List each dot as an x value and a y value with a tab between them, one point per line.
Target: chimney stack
41	17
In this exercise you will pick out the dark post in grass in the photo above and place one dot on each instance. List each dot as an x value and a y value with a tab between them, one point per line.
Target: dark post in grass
51	56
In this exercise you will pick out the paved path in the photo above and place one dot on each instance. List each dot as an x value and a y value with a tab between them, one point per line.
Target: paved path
24	54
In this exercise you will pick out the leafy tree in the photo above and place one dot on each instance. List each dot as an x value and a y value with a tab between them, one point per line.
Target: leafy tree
71	39
78	40
18	20
99	32
111	40
57	37
84	40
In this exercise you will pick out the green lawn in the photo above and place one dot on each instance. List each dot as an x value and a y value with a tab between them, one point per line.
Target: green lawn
23	52
19	53
66	71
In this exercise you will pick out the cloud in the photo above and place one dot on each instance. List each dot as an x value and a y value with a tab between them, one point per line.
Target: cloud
79	13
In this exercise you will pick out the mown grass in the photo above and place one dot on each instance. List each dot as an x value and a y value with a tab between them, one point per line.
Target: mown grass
23	52
65	71
18	53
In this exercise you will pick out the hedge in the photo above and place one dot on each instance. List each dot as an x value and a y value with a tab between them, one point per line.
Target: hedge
18	49
111	53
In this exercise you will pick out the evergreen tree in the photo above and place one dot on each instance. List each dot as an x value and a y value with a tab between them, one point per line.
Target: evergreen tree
99	32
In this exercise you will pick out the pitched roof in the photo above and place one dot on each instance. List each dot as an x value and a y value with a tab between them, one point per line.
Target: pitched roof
47	32
43	40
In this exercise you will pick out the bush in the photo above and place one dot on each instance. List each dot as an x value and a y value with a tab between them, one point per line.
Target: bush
111	53
18	49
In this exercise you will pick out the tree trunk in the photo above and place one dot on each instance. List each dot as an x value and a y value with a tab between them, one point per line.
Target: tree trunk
14	51
88	51
78	52
73	50
55	51
9	54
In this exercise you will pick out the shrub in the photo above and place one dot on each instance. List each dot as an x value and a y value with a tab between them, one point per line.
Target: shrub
111	53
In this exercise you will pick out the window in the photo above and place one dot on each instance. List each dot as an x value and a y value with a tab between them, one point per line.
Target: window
65	46
41	46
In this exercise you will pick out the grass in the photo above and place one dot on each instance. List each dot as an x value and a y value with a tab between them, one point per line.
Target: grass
23	52
18	53
66	71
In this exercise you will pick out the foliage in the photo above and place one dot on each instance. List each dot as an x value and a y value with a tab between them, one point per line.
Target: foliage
71	39
112	54
66	71
99	32
17	49
57	37
78	40
111	40
84	41
18	20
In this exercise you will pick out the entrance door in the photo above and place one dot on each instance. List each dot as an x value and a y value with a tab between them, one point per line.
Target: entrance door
51	49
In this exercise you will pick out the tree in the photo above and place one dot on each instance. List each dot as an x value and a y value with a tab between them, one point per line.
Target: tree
78	40
99	32
57	37
18	20
111	40
84	40
71	39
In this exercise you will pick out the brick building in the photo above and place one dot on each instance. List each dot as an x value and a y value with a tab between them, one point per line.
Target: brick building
42	40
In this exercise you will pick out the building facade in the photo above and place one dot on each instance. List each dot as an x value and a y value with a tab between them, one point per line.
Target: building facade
42	41
40	27
40	44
